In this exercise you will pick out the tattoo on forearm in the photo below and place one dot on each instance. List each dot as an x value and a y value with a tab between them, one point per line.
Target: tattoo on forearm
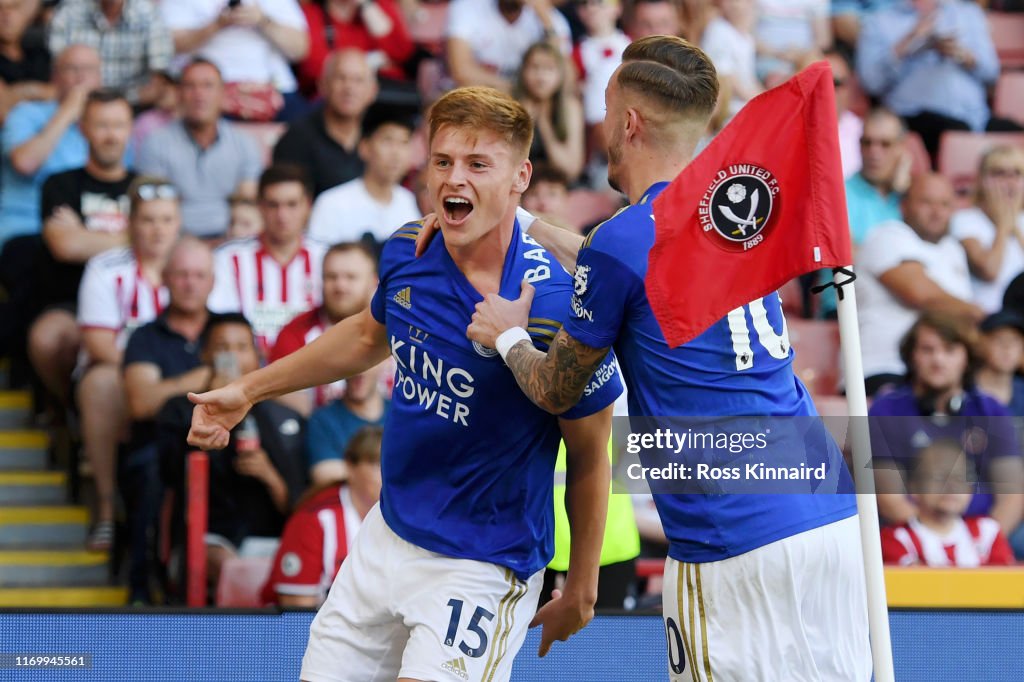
555	380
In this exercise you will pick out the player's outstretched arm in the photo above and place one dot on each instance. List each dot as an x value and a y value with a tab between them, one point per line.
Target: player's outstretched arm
352	346
588	476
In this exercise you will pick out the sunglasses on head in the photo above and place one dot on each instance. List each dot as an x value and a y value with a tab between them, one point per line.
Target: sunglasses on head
151	191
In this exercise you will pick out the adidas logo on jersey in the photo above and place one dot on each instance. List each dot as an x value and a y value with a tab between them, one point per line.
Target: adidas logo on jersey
404	298
457	667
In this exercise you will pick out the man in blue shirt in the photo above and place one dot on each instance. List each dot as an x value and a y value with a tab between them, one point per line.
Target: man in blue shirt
931	62
752	579
445	575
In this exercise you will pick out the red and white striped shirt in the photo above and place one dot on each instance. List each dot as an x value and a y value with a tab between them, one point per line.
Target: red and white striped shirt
249	280
115	295
973	541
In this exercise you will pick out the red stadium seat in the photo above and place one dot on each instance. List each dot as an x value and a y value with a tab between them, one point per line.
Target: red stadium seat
1009	97
427	25
921	163
1008	36
832	405
241	581
791	295
960	152
816	360
265	134
586	207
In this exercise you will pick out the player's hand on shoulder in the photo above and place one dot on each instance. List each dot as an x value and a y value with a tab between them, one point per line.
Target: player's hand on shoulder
215	414
566	614
495	315
431	225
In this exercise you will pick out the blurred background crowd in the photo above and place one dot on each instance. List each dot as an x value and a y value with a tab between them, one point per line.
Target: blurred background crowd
190	188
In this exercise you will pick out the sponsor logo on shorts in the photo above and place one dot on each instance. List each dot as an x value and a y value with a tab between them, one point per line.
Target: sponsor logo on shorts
457	667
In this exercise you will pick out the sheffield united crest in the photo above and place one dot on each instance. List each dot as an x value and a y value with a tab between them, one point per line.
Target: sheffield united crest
736	210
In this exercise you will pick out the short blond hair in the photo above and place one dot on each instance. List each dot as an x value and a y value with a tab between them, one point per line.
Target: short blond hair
479	108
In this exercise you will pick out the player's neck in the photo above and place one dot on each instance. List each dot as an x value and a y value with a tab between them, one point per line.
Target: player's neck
482	261
653	169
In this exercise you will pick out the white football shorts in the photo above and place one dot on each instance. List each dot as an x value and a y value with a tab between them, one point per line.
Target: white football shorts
397	610
794	610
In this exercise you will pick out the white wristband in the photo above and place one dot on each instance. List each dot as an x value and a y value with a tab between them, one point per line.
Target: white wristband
526	219
509	338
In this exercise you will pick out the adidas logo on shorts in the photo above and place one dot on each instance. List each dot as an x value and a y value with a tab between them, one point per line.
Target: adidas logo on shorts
457	667
404	298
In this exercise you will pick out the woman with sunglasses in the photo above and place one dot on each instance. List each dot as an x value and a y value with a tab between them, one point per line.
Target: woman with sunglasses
992	230
120	290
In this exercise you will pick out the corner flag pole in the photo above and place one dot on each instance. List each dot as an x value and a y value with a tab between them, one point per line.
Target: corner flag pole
867	507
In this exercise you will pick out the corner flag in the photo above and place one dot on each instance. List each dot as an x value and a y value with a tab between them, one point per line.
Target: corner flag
764	203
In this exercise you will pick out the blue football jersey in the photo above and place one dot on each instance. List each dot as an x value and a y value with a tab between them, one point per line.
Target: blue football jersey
741	365
467	460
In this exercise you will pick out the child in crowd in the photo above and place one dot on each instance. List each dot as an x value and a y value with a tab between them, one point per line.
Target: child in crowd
547	197
940	535
246	220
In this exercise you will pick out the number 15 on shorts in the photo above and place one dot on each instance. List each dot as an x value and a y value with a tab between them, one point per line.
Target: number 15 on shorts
476	644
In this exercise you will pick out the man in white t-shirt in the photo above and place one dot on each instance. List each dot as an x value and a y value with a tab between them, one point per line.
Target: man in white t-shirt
488	38
275	276
906	268
252	42
373	204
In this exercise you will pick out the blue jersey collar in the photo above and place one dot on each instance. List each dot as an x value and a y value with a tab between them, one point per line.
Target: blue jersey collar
652	192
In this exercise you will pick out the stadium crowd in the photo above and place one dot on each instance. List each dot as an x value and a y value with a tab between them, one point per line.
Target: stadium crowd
189	188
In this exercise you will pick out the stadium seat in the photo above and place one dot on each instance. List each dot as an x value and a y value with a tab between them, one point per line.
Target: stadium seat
921	163
265	134
791	294
1008	36
1009	97
588	207
832	405
241	581
816	360
427	26
960	152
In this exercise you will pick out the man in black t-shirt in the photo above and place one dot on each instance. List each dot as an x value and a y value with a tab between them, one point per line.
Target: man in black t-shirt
85	212
24	64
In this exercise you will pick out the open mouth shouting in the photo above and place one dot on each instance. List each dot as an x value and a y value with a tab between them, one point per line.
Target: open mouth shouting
456	210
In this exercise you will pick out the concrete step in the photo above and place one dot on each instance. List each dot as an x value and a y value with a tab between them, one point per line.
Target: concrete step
15	409
39	526
32	568
23	450
33	487
65	597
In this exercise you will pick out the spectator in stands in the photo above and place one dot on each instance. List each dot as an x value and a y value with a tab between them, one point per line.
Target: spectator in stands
121	290
729	41
939	402
848	16
376	27
85	212
161	361
598	55
326	141
790	35
129	35
544	89
318	536
906	268
652	18
252	43
374	205
851	127
350	278
332	426
163	111
42	138
488	39
207	158
255	481
703	25
246	220
275	276
938	534
874	193
24	64
992	231
547	197
1002	353
931	62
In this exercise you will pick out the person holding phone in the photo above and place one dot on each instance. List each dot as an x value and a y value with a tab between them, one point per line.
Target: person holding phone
931	61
